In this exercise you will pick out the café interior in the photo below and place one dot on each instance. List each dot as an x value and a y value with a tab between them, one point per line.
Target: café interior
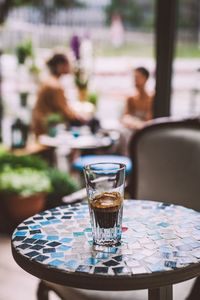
56	141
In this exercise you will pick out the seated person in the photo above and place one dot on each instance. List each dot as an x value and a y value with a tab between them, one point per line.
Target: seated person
51	98
139	106
138	110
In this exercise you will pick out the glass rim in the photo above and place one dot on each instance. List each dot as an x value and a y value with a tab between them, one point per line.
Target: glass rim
122	166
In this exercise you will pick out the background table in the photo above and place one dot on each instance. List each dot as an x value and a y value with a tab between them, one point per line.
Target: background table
86	141
160	246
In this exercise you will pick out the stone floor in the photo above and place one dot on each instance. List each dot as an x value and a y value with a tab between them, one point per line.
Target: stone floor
16	284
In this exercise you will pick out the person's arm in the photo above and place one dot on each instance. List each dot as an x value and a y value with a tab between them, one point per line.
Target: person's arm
149	113
128	119
130	107
37	123
60	104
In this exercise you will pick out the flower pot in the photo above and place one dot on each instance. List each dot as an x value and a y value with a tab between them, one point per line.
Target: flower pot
19	208
52	130
82	94
23	99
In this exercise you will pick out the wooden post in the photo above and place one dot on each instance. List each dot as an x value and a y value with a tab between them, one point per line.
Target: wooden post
166	12
1	104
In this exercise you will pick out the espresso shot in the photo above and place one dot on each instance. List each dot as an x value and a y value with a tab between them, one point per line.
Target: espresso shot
106	208
105	189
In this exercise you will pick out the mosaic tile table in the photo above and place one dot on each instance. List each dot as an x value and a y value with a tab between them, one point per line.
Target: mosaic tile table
160	246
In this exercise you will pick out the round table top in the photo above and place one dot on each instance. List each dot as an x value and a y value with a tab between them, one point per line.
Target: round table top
158	239
80	142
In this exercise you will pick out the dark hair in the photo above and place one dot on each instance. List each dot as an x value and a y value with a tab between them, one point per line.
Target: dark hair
56	60
143	71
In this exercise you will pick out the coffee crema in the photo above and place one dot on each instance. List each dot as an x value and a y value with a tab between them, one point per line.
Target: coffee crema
106	207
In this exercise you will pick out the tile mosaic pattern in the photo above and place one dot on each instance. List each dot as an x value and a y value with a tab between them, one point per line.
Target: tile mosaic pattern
156	237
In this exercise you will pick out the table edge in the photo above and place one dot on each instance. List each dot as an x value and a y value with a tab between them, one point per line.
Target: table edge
105	282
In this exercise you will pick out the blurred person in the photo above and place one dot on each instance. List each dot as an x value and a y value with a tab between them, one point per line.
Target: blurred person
51	97
139	106
117	31
138	109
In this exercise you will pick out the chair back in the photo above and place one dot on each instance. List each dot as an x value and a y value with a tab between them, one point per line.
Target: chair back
166	162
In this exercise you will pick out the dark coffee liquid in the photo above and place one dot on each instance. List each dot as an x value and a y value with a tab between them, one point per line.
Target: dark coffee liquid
106	207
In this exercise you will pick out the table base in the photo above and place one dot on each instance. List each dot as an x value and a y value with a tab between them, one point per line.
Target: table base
162	293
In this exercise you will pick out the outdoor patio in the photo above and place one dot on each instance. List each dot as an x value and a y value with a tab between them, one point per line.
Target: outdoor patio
107	47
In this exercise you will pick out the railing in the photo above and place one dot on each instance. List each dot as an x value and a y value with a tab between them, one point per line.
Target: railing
86	16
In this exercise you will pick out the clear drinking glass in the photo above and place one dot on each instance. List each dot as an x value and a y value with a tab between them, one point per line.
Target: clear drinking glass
105	190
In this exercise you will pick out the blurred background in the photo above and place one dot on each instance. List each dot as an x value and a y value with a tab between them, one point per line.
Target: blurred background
121	36
113	37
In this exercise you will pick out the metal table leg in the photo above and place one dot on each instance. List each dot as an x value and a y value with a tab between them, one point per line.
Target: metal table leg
162	293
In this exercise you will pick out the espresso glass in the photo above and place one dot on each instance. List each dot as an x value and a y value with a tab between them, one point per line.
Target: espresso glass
105	191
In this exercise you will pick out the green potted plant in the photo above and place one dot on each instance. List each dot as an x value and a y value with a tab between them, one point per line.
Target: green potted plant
34	71
28	185
93	98
23	98
63	184
24	191
52	121
24	50
81	81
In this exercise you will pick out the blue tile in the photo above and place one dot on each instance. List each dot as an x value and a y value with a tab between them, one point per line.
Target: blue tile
24	246
28	222
91	261
29	240
43	213
35	227
66	240
18	238
38	218
170	264
53	244
63	248
41	242
22	227
20	233
56	263
57	254
118	258
110	263
45	223
83	268
51	218
37	247
102	255
99	270
53	237
35	231
88	229
38	236
49	250
77	234
72	264
32	254
163	224
56	221
41	258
